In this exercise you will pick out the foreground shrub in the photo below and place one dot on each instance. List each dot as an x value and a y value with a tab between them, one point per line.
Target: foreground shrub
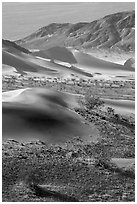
93	102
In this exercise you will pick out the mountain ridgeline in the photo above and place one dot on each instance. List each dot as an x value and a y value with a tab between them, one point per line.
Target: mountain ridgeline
115	32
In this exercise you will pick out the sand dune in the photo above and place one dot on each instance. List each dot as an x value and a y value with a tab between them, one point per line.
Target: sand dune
62	68
85	62
94	65
22	63
27	63
76	57
30	114
121	106
61	61
57	53
8	70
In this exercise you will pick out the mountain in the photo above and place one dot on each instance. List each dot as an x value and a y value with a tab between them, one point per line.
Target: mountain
115	32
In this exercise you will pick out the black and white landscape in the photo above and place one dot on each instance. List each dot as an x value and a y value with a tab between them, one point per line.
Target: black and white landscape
68	103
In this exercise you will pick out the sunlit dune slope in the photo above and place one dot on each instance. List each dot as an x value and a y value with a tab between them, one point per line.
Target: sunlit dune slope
94	63
121	106
8	70
42	114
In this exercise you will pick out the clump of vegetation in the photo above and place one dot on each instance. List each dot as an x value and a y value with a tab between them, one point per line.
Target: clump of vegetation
110	111
93	102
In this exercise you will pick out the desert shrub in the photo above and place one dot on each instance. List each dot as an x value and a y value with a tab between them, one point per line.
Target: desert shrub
110	111
101	151
129	154
117	117
92	102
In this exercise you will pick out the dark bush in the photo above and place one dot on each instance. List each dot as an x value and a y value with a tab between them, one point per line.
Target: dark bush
92	102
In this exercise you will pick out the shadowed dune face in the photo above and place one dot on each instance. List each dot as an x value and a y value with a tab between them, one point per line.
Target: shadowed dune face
13	47
42	114
57	53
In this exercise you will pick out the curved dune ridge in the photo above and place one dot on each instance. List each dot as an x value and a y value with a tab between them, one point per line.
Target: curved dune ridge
121	106
43	114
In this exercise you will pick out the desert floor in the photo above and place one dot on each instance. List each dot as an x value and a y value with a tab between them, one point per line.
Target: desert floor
102	170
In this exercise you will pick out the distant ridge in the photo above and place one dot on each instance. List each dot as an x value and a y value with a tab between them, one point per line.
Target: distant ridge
115	32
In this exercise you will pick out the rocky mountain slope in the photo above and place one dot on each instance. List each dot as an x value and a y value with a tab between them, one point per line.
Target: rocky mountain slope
115	32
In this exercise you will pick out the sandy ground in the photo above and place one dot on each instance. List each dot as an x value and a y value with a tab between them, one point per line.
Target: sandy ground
122	107
36	171
95	162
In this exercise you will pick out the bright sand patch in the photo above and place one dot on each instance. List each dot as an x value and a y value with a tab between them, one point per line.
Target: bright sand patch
120	106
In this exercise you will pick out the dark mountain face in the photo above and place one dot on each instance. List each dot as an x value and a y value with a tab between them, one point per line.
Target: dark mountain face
116	31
